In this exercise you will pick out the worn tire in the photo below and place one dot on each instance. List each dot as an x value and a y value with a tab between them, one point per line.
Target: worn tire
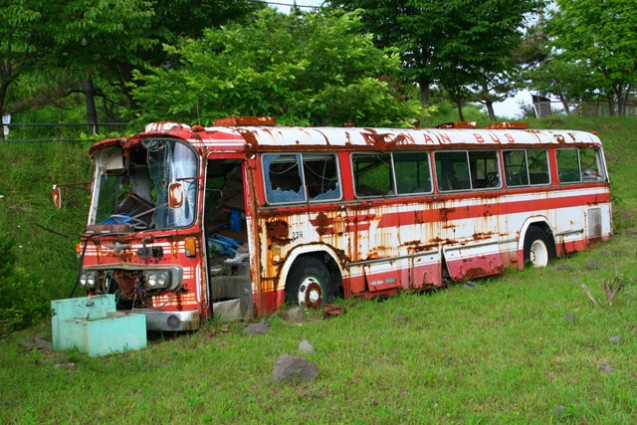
309	283
538	248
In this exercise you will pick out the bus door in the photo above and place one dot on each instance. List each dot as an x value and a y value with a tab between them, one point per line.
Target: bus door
227	238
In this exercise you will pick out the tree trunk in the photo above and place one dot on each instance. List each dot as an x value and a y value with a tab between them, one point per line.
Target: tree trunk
424	92
611	104
490	111
91	111
460	114
565	104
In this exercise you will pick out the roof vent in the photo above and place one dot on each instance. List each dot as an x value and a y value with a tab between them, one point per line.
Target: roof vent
245	121
508	126
460	124
165	126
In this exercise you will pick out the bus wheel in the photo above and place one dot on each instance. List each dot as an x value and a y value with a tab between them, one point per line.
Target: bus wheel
537	247
309	283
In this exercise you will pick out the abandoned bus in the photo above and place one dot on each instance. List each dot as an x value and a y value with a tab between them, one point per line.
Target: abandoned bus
241	217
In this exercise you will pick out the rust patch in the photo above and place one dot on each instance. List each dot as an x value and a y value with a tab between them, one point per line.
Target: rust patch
321	223
444	213
277	230
481	236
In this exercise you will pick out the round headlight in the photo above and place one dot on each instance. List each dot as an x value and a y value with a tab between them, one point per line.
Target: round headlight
162	279
88	279
151	279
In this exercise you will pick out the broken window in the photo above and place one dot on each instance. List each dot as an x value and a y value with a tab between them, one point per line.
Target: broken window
292	178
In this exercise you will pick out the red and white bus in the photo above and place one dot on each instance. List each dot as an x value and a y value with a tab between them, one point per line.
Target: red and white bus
244	216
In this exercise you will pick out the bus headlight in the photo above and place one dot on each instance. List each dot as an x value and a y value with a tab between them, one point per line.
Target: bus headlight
157	279
88	280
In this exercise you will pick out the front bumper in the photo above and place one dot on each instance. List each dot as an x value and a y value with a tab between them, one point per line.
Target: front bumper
170	321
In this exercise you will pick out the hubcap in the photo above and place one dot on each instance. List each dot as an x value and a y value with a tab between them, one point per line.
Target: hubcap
310	294
538	254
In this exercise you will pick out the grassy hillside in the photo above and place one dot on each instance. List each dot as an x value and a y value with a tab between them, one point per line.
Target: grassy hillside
26	176
525	347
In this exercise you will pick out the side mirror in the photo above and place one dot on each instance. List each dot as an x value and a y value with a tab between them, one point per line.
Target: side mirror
175	195
57	196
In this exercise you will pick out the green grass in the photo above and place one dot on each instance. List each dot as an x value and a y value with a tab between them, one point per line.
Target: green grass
511	351
524	347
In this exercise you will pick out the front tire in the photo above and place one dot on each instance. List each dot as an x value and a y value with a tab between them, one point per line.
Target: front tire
538	248
309	284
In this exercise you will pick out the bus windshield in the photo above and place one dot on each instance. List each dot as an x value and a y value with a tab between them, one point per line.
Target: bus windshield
132	188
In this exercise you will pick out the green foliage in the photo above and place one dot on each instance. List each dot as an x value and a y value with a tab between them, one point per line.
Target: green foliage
22	299
451	43
19	42
600	35
572	81
316	69
26	209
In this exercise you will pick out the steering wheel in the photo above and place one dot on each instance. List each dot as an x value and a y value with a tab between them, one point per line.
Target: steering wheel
492	179
134	221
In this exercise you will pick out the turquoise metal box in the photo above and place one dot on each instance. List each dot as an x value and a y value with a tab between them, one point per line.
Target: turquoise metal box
93	326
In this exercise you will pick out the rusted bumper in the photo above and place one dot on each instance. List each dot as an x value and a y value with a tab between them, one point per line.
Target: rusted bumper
170	321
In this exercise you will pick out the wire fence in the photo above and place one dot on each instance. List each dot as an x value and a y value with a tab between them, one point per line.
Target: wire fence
582	109
54	132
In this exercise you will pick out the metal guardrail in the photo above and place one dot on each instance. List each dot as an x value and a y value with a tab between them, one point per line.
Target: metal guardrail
9	139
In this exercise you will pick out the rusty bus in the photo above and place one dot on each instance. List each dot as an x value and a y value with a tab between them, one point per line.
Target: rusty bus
244	216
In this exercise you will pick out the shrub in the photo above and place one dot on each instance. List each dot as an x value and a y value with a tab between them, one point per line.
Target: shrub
22	300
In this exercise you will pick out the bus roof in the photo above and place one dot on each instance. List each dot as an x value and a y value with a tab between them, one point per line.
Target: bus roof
321	138
276	138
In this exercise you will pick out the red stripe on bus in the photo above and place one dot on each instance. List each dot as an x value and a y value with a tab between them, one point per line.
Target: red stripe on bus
489	209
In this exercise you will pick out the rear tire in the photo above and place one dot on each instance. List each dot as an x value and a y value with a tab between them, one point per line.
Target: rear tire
538	248
309	283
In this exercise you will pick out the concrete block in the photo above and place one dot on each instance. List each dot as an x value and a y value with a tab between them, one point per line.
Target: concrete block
93	326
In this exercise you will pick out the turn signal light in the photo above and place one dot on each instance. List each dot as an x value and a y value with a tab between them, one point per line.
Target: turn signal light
191	247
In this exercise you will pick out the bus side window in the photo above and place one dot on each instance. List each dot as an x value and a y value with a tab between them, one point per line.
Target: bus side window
590	162
412	172
321	177
568	165
372	174
515	169
452	171
485	171
282	177
538	164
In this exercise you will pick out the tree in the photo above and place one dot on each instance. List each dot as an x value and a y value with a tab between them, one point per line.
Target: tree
492	87
103	38
309	69
21	39
451	43
600	34
568	81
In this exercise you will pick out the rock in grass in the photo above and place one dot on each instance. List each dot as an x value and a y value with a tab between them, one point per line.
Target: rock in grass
594	265
293	369
569	317
606	368
305	347
260	328
296	314
37	343
617	339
